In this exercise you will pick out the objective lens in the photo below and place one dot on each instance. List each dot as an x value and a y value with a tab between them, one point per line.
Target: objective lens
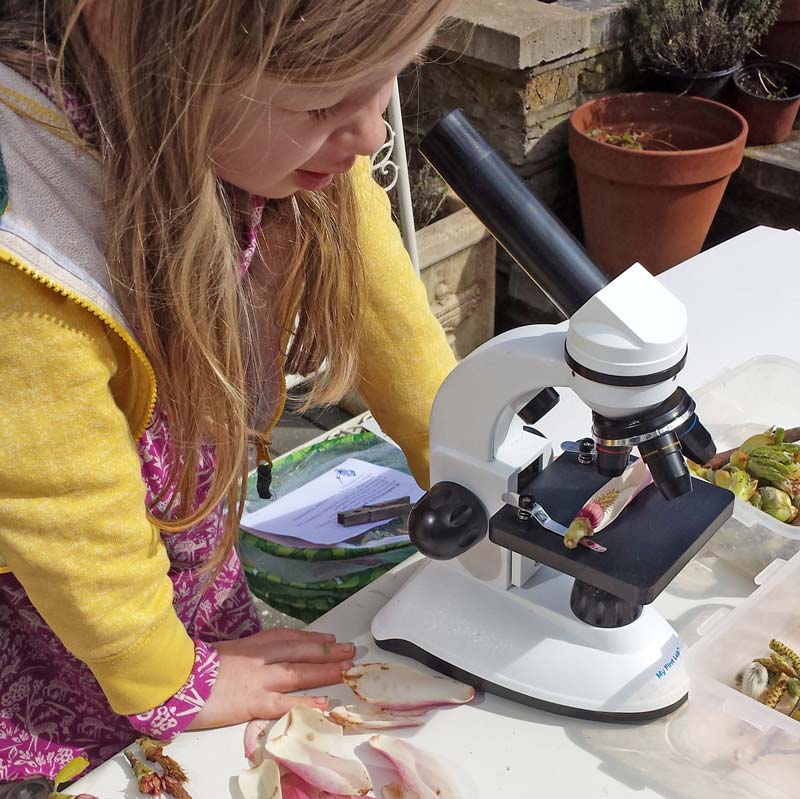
664	458
612	461
696	441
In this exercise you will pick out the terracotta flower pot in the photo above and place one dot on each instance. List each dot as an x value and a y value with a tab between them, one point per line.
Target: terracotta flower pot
769	120
782	43
653	205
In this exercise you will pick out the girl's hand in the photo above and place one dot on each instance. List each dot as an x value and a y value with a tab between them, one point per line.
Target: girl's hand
257	672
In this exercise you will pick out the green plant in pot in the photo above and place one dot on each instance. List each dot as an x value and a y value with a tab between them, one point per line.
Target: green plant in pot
768	97
694	46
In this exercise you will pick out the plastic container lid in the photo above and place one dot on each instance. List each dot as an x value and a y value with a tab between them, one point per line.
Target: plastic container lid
730	640
722	722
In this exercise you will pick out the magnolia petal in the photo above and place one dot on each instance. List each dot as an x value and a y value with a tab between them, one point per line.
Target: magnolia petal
278	728
261	782
313	726
395	790
422	776
337	775
308	723
254	734
295	788
394	686
356	718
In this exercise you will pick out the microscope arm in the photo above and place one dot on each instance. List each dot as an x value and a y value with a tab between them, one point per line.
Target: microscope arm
475	433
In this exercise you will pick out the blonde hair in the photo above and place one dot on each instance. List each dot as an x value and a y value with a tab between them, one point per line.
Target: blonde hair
171	243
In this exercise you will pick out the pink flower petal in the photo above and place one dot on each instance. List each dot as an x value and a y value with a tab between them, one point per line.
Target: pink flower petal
295	788
261	782
358	718
394	686
337	775
254	734
422	776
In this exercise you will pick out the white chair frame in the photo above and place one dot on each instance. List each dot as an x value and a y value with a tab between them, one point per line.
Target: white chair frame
386	163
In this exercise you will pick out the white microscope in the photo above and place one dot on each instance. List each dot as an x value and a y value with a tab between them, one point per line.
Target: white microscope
503	604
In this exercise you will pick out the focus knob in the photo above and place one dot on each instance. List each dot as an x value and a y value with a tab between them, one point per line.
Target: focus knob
601	609
447	521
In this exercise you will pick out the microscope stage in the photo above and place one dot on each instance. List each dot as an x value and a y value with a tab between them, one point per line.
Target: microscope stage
647	546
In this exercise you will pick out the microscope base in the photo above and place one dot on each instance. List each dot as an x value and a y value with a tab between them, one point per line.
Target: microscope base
525	644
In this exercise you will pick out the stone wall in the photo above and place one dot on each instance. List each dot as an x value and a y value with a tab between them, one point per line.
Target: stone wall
517	68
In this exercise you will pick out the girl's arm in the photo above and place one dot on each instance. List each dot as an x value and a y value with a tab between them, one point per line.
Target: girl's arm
404	353
73	527
74	532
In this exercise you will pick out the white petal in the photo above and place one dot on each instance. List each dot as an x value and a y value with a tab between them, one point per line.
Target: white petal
357	718
312	725
339	775
254	734
394	686
396	790
309	723
420	773
261	782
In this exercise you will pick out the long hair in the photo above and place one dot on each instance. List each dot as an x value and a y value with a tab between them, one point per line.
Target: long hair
171	243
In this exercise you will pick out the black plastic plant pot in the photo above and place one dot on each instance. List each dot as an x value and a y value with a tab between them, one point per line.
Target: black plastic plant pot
711	85
767	94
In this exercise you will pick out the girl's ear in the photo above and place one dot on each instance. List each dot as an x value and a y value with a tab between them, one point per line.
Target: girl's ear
96	15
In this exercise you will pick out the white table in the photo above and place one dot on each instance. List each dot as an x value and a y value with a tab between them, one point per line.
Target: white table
507	750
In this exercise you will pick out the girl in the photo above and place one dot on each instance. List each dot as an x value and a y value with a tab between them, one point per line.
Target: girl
184	184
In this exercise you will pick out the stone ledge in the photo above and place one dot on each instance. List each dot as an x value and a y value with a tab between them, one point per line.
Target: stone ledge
607	23
774	169
764	190
442	239
516	110
521	34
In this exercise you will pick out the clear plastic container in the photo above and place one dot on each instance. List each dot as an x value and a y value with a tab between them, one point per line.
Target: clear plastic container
749	399
723	723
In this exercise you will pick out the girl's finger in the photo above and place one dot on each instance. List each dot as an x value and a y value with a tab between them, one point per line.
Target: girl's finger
307	652
287	677
287	634
271	705
262	641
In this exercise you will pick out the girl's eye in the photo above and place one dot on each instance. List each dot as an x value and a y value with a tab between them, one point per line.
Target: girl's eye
322	113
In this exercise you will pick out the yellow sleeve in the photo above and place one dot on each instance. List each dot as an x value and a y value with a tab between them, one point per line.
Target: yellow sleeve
404	353
73	527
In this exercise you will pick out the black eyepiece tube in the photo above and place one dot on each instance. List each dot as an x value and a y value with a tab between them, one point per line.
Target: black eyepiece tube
531	234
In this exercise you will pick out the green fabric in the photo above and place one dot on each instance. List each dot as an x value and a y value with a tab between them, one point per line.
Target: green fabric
269	584
307	582
308	573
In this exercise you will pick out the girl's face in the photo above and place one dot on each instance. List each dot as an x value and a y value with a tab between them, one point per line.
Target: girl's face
276	139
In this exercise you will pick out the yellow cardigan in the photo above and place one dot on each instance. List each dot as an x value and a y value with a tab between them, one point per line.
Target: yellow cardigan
74	396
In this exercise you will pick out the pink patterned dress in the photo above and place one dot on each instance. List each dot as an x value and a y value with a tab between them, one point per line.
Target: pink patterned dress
51	707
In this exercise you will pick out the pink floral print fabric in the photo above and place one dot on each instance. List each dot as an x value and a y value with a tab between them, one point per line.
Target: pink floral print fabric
165	721
51	707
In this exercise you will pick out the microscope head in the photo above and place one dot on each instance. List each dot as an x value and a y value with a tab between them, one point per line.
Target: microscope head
625	348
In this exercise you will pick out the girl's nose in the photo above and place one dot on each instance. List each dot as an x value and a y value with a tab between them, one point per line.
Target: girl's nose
365	131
